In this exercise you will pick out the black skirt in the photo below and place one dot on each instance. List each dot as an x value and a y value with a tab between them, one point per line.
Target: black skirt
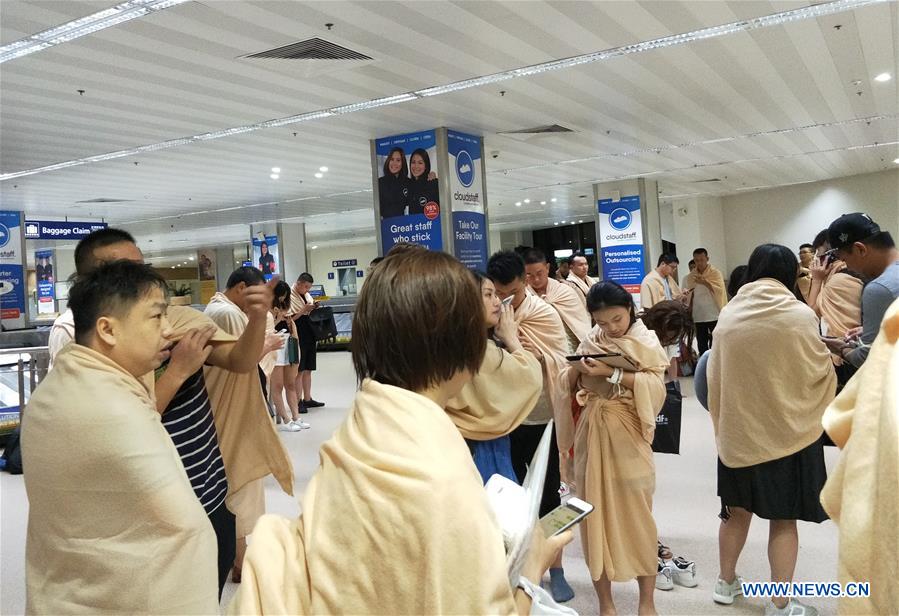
784	489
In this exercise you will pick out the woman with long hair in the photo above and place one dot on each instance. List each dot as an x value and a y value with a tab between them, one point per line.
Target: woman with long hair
770	379
284	375
423	185
503	392
393	185
613	461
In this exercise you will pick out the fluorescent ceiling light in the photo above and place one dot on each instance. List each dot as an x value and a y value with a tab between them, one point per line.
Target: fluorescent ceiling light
323	169
276	169
527	200
274	176
89	24
543	203
319	175
553	199
776	19
896	161
883	77
518	204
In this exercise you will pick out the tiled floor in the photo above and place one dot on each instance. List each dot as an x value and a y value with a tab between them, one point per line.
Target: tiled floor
685	504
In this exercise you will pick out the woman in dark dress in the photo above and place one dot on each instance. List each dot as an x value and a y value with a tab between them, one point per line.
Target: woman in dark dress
423	185
266	260
393	186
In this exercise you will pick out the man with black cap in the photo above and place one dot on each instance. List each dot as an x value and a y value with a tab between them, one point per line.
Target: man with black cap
858	240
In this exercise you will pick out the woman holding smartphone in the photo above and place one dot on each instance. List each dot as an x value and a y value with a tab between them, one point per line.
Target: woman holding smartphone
396	519
284	375
503	392
613	462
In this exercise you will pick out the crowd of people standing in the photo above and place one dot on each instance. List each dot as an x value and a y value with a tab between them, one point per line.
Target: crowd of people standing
459	375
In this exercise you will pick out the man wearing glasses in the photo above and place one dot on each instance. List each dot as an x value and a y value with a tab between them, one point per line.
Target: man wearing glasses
858	240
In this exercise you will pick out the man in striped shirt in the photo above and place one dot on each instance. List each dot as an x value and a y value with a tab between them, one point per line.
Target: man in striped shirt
181	396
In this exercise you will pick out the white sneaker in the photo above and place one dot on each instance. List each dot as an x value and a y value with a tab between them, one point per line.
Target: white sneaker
290	427
300	424
792	608
684	572
663	577
726	593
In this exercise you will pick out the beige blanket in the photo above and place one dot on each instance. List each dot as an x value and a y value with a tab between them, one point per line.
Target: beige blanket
395	521
542	326
840	302
770	376
714	279
251	449
652	290
114	526
571	308
804	282
582	285
862	492
614	469
499	397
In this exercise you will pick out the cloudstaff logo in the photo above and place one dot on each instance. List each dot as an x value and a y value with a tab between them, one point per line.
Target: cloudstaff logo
620	219
464	168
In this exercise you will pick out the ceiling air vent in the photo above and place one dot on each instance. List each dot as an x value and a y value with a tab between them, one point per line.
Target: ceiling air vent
538	130
708	180
310	49
105	200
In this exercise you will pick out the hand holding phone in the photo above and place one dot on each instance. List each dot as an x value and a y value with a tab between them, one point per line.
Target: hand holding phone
565	516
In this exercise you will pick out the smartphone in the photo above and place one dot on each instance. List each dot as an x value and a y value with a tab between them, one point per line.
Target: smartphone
508	300
594	356
565	516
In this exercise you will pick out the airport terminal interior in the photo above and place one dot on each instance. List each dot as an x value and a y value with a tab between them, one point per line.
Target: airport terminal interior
618	144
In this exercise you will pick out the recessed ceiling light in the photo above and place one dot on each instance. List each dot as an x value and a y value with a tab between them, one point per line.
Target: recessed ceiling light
527	200
518	204
883	77
314	247
173	267
556	224
553	199
323	169
543	203
580	221
896	161
319	175
274	176
276	169
190	258
564	221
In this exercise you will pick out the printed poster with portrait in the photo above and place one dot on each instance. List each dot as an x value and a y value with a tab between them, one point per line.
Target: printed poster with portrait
46	281
466	184
409	190
265	255
206	273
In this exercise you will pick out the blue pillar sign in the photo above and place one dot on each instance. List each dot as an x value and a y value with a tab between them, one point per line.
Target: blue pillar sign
408	190
621	242
12	272
45	276
467	189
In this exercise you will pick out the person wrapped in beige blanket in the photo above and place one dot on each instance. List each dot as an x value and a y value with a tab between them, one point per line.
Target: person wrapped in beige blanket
503	392
396	519
543	333
557	294
862	493
113	524
578	278
251	448
613	461
769	380
709	297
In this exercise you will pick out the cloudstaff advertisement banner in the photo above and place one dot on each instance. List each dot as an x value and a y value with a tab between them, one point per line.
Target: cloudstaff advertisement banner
408	190
265	255
12	272
621	243
467	188
46	281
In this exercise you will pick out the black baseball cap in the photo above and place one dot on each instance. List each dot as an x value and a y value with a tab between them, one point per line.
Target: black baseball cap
851	228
